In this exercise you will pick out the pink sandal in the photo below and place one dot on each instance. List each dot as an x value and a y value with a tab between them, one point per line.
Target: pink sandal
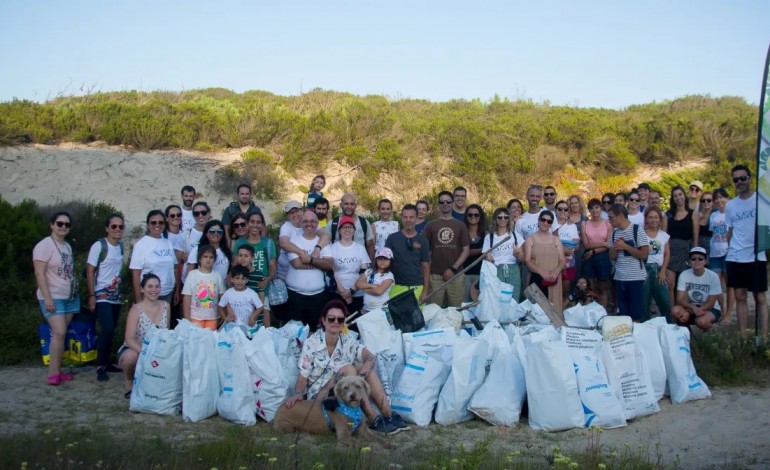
65	377
54	379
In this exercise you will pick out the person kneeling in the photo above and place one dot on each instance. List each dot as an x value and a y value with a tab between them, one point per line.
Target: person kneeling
697	294
329	355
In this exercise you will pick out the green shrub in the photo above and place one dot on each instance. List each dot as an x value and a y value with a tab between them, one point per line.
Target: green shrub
257	168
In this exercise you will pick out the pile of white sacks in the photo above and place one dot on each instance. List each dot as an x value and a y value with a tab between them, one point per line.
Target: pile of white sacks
571	377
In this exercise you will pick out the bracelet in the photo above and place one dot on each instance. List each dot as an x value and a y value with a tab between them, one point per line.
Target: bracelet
453	269
319	247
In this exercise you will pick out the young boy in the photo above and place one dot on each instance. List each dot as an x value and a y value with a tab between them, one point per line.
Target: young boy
241	303
202	289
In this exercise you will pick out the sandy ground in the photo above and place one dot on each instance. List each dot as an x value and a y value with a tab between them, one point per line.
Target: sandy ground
729	429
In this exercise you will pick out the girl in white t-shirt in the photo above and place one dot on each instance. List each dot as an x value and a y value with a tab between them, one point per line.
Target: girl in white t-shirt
384	226
202	289
655	287
376	281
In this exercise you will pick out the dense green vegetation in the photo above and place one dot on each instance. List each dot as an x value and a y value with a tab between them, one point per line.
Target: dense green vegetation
495	148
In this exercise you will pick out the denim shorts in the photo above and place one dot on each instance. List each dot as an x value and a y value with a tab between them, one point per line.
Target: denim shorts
718	265
62	306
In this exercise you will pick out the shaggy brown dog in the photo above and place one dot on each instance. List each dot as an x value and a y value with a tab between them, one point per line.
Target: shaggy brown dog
307	415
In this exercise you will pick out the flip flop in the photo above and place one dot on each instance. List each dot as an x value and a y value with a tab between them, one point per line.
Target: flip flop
127	395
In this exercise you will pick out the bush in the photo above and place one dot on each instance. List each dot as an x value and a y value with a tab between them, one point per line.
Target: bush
257	168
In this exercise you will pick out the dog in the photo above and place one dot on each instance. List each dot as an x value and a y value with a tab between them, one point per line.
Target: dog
340	414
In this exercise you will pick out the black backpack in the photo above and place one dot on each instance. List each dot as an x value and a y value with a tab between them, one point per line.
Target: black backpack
336	221
102	256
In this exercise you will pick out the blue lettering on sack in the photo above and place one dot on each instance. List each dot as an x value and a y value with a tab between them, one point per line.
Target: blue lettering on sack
403	397
412	366
405	409
227	389
596	387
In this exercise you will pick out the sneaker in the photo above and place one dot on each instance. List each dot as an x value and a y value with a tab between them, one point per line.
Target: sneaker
380	425
397	422
101	374
54	379
113	368
65	377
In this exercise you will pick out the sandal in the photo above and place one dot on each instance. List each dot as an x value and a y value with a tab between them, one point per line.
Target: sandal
54	379
65	377
127	395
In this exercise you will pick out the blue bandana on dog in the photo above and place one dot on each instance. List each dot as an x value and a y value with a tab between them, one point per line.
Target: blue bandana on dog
355	415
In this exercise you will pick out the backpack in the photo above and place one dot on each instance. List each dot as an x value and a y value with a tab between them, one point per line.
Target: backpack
636	241
102	256
336	221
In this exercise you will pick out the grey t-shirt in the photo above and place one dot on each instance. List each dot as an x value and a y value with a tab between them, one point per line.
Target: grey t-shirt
407	264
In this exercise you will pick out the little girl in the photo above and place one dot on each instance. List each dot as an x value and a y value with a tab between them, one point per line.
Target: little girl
384	226
202	289
315	190
377	281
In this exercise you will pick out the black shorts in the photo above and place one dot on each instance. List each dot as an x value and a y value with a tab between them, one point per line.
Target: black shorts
751	276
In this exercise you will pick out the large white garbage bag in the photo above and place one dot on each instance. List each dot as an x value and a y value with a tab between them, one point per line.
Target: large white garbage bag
552	391
288	341
629	375
469	363
494	295
200	373
270	387
158	376
683	382
236	393
646	335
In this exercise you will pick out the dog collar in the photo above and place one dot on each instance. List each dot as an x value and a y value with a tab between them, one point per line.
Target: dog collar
354	414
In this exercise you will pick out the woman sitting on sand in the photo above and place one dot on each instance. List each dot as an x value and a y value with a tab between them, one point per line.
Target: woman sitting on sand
150	313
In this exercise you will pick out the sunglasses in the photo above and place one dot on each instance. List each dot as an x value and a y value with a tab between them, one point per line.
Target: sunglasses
157	222
503	217
697	258
116	226
216	231
174	215
60	223
562	209
445	202
706	201
340	320
240	225
409	244
200	213
546	220
740	179
549	194
473	216
695	188
606	202
634	199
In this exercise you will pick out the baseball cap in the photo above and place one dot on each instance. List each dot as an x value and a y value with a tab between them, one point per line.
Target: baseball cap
291	205
699	250
384	252
698	184
346	219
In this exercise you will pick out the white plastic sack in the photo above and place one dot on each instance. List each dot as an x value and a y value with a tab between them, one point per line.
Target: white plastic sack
270	388
585	316
446	318
375	330
629	376
200	374
499	399
683	382
646	335
288	341
494	295
236	394
158	376
536	314
428	363
552	391
469	363
429	311
390	361
601	406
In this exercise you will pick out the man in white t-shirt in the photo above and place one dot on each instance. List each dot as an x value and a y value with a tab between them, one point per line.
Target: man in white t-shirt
527	223
629	247
746	270
697	293
188	221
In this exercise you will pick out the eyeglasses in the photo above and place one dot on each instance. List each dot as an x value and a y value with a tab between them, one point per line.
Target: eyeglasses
60	224
633	199
311	222
117	227
471	215
216	231
339	320
445	202
410	244
240	225
562	209
740	179
200	213
706	201
503	217
174	215
549	194
695	189
546	220
606	202
459	195
155	223
697	258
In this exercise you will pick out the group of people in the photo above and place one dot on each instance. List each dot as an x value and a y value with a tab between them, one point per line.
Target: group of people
208	271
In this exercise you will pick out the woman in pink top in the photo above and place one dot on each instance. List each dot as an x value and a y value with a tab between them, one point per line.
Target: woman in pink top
596	260
57	289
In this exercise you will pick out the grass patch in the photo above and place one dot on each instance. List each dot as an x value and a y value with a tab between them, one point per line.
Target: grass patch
723	358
